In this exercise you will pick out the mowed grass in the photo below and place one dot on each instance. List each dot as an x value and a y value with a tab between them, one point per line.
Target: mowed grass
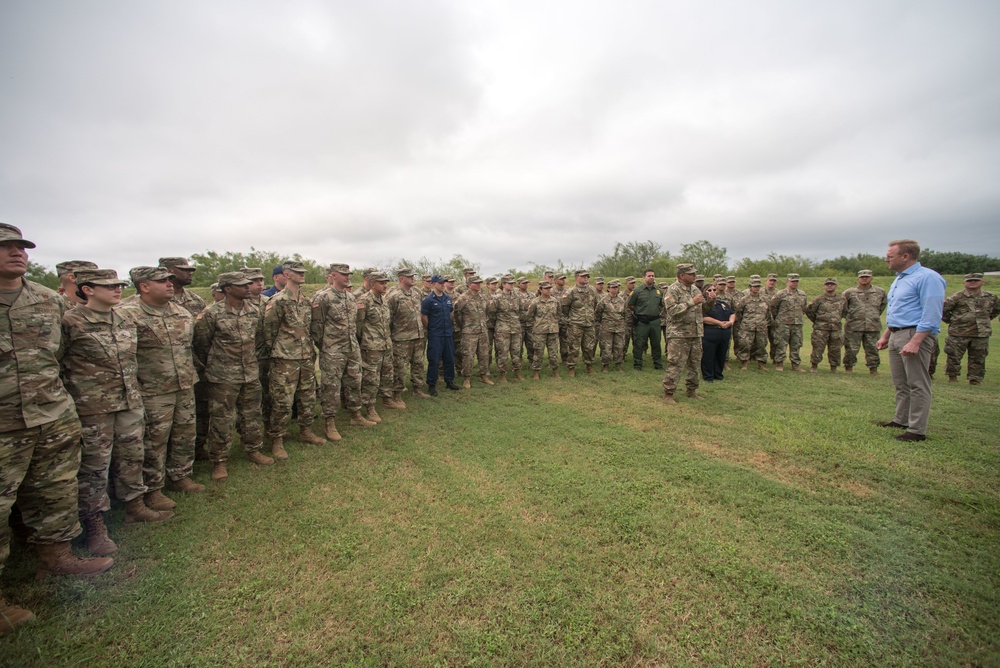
570	522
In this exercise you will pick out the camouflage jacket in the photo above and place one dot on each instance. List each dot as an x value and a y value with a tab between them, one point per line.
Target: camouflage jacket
558	294
826	312
544	315
769	293
287	318
470	312
190	301
506	306
753	313
863	309
404	314
970	315
373	323
580	305
360	292
226	343
526	299
684	319
31	392
611	313
788	307
731	297
334	322
163	352
99	363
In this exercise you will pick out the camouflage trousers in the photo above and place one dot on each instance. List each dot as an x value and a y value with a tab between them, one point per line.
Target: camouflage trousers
852	344
527	343
111	449
629	330
508	345
751	345
539	342
563	342
169	437
340	373
457	338
263	374
683	354
577	337
410	352
201	412
978	348
475	345
832	341
232	404
787	341
935	354
770	341
612	347
292	381
38	469
376	375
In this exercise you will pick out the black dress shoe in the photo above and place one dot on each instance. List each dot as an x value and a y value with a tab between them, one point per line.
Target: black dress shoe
453	386
892	423
910	436
432	390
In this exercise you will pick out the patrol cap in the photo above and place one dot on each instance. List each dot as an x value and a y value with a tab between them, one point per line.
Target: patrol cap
865	272
71	266
492	280
341	268
720	281
253	273
377	277
663	286
233	278
730	279
106	277
405	271
974	277
830	281
685	268
474	279
293	265
437	278
176	263
715	277
544	284
425	277
615	284
630	279
583	272
143	274
793	277
699	277
506	278
754	277
755	283
561	277
523	280
449	278
216	288
280	269
599	280
11	233
468	270
772	277
368	271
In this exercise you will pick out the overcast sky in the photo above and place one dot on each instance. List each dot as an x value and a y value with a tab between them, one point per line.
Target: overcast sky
510	132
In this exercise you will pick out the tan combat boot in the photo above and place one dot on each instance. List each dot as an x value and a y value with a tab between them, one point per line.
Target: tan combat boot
185	485
503	377
57	559
691	394
604	368
12	616
397	399
797	367
848	369
668	398
219	472
873	371
743	366
535	376
779	366
467	384
98	541
618	366
555	373
813	369
417	392
359	420
572	372
762	366
307	435
517	375
372	415
259	458
590	368
952	379
486	379
157	501
833	369
137	512
278	448
331	431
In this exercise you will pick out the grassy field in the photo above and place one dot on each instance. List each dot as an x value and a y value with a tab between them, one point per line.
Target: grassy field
571	522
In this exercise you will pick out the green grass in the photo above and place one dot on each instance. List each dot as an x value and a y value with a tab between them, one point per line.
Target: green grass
572	522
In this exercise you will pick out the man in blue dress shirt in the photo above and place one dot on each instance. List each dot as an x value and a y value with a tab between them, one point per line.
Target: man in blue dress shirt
913	320
435	312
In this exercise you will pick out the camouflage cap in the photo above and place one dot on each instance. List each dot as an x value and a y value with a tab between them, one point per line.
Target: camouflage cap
425	277
105	277
699	277
228	278
492	280
405	271
615	284
11	233
830	281
474	279
754	277
293	265
377	277
685	268
663	286
253	273
468	270
582	272
720	281
215	287
730	279
142	274
630	279
543	285
523	280
772	277
974	277
599	280
368	271
715	277
561	277
72	266
755	283
506	278
865	272
449	278
176	263
340	268
793	277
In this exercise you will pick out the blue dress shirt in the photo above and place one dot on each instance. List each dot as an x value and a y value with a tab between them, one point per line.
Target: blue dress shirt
438	312
916	299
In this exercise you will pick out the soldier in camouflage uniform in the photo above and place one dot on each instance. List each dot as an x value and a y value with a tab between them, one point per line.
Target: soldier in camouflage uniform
826	313
968	314
39	438
66	272
628	286
256	276
769	290
292	368
737	339
217	295
334	329
492	285
558	292
754	315
426	290
506	306
166	377
610	319
450	290
685	327
543	313
470	315
526	299
863	309
467	274
409	344
579	305
366	285
227	336
375	337
787	309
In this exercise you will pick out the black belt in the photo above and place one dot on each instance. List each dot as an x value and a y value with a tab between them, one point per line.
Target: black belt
896	329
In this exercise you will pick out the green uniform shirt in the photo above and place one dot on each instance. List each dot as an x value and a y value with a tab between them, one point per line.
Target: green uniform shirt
646	301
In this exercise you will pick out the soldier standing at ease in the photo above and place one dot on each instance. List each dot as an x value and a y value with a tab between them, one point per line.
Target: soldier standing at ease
863	309
768	291
65	271
580	306
543	313
968	314
408	342
787	309
470	314
610	319
644	305
40	438
754	315
376	348
227	336
506	307
559	291
628	287
684	331
599	289
826	313
526	299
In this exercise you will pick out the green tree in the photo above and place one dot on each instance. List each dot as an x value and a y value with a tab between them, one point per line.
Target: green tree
632	258
212	263
958	263
706	257
775	264
852	264
40	274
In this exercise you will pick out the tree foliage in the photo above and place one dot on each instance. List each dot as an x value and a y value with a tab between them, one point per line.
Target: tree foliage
775	264
633	258
852	264
958	263
40	274
212	263
706	257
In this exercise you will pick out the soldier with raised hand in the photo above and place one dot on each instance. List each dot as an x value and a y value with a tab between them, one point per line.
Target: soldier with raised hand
543	312
470	314
682	303
166	375
968	313
227	336
408	340
40	438
376	348
579	305
864	305
334	330
66	272
754	315
610	320
788	310
826	313
291	360
506	306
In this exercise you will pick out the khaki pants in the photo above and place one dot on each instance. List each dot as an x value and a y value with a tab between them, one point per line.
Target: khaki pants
912	379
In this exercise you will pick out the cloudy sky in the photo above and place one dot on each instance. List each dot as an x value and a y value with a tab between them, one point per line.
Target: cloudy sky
507	131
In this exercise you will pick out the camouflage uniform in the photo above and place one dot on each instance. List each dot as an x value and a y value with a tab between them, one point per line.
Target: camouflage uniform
470	314
768	294
863	311
579	306
684	331
610	316
968	317
408	341
526	299
558	294
826	313
166	378
376	349
226	341
629	316
335	332
507	308
754	315
292	373
544	317
787	309
39	428
194	305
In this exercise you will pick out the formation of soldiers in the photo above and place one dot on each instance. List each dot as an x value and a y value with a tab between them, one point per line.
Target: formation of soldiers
100	392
